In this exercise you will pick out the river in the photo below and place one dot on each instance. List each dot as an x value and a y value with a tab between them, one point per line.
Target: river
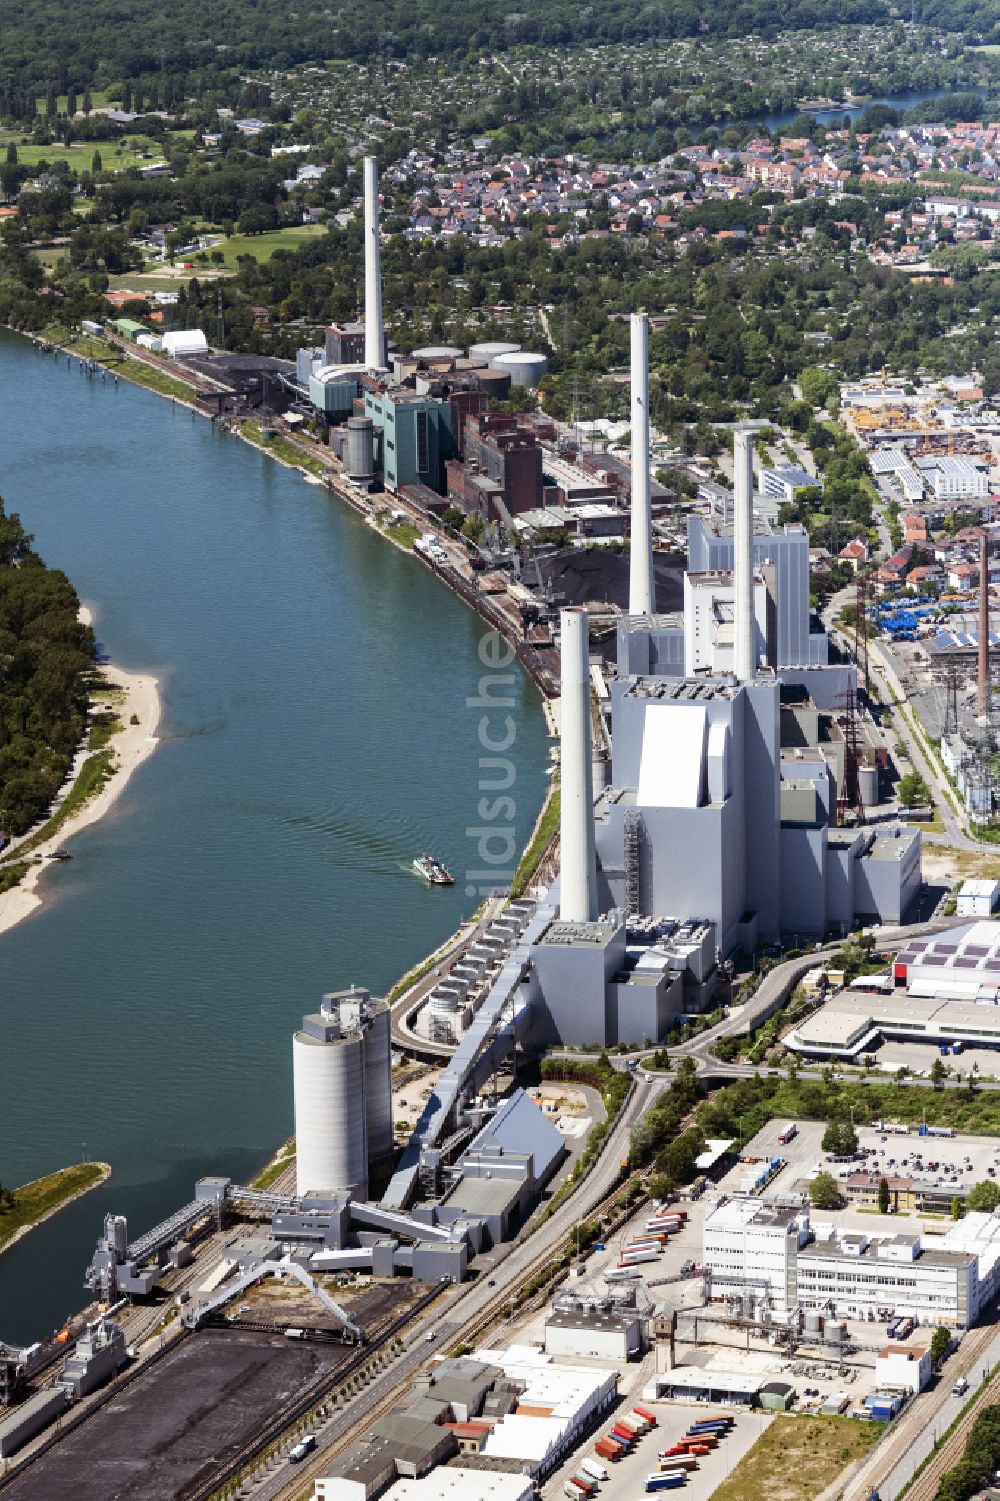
316	737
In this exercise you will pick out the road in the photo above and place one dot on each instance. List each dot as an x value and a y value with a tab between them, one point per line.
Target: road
466	1307
912	1441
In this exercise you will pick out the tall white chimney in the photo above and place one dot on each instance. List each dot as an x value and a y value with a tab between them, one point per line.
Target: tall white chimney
743	553
641	590
578	875
374	352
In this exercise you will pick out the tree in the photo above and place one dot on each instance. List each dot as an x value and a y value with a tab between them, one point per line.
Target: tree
661	1186
96	164
940	1344
984	1197
883	1196
956	1207
823	1192
913	790
939	1073
840	1139
817	385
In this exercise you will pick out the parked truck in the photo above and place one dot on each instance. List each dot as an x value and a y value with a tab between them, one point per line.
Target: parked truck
594	1469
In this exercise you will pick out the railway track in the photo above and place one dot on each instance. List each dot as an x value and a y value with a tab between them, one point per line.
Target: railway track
895	1448
925	1487
474	1329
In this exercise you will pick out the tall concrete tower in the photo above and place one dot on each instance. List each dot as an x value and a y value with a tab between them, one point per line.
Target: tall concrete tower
342	1067
578	861
983	695
641	589
374	351
743	553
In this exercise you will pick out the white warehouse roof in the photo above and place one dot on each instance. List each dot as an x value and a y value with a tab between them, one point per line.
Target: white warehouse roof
185	341
453	1483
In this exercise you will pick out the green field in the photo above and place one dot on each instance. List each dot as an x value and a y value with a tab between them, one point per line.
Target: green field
115	155
262	247
797	1458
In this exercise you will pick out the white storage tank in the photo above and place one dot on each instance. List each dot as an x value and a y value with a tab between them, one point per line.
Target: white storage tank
492	351
331	1138
434	353
525	369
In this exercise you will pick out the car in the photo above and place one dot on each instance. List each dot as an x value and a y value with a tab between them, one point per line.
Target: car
491	1282
304	1446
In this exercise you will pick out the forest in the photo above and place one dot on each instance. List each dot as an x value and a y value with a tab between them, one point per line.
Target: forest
88	44
45	658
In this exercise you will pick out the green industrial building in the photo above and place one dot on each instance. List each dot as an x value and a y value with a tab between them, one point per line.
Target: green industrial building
413	437
128	328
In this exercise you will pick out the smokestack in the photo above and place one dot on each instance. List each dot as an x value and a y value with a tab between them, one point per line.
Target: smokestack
743	553
374	351
983	699
641	589
578	874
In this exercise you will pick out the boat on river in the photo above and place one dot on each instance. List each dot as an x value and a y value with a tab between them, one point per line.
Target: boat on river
433	871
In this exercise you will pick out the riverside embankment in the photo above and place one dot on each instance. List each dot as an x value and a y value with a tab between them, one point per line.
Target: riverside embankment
319	729
485	594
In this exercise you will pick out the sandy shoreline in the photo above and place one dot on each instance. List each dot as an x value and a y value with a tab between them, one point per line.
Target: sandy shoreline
131	746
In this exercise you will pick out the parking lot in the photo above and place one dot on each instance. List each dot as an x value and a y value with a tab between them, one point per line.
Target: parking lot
627	1477
918	1058
946	1161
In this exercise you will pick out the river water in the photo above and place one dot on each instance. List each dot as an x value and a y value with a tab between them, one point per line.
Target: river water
317	737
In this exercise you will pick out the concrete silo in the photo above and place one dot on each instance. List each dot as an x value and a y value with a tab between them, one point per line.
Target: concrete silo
342	1066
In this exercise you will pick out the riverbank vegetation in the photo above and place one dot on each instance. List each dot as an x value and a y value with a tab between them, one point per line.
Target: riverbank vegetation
23	1208
46	657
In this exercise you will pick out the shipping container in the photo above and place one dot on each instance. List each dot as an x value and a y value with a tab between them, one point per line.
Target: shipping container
623	1444
569	1489
609	1450
678	1462
594	1469
585	1482
644	1412
622	1274
634	1258
624	1433
639	1417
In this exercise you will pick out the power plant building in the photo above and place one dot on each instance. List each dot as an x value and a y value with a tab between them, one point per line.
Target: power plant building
342	1067
711	550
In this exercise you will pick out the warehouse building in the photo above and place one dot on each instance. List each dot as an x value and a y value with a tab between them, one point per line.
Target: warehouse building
769	1253
947	991
595	1333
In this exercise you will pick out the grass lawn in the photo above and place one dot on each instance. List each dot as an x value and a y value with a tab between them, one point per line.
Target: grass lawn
262	247
797	1458
115	155
43	1195
403	533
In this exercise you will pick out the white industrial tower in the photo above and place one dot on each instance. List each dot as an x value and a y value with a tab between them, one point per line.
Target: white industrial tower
374	351
641	589
743	553
578	861
342	1067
